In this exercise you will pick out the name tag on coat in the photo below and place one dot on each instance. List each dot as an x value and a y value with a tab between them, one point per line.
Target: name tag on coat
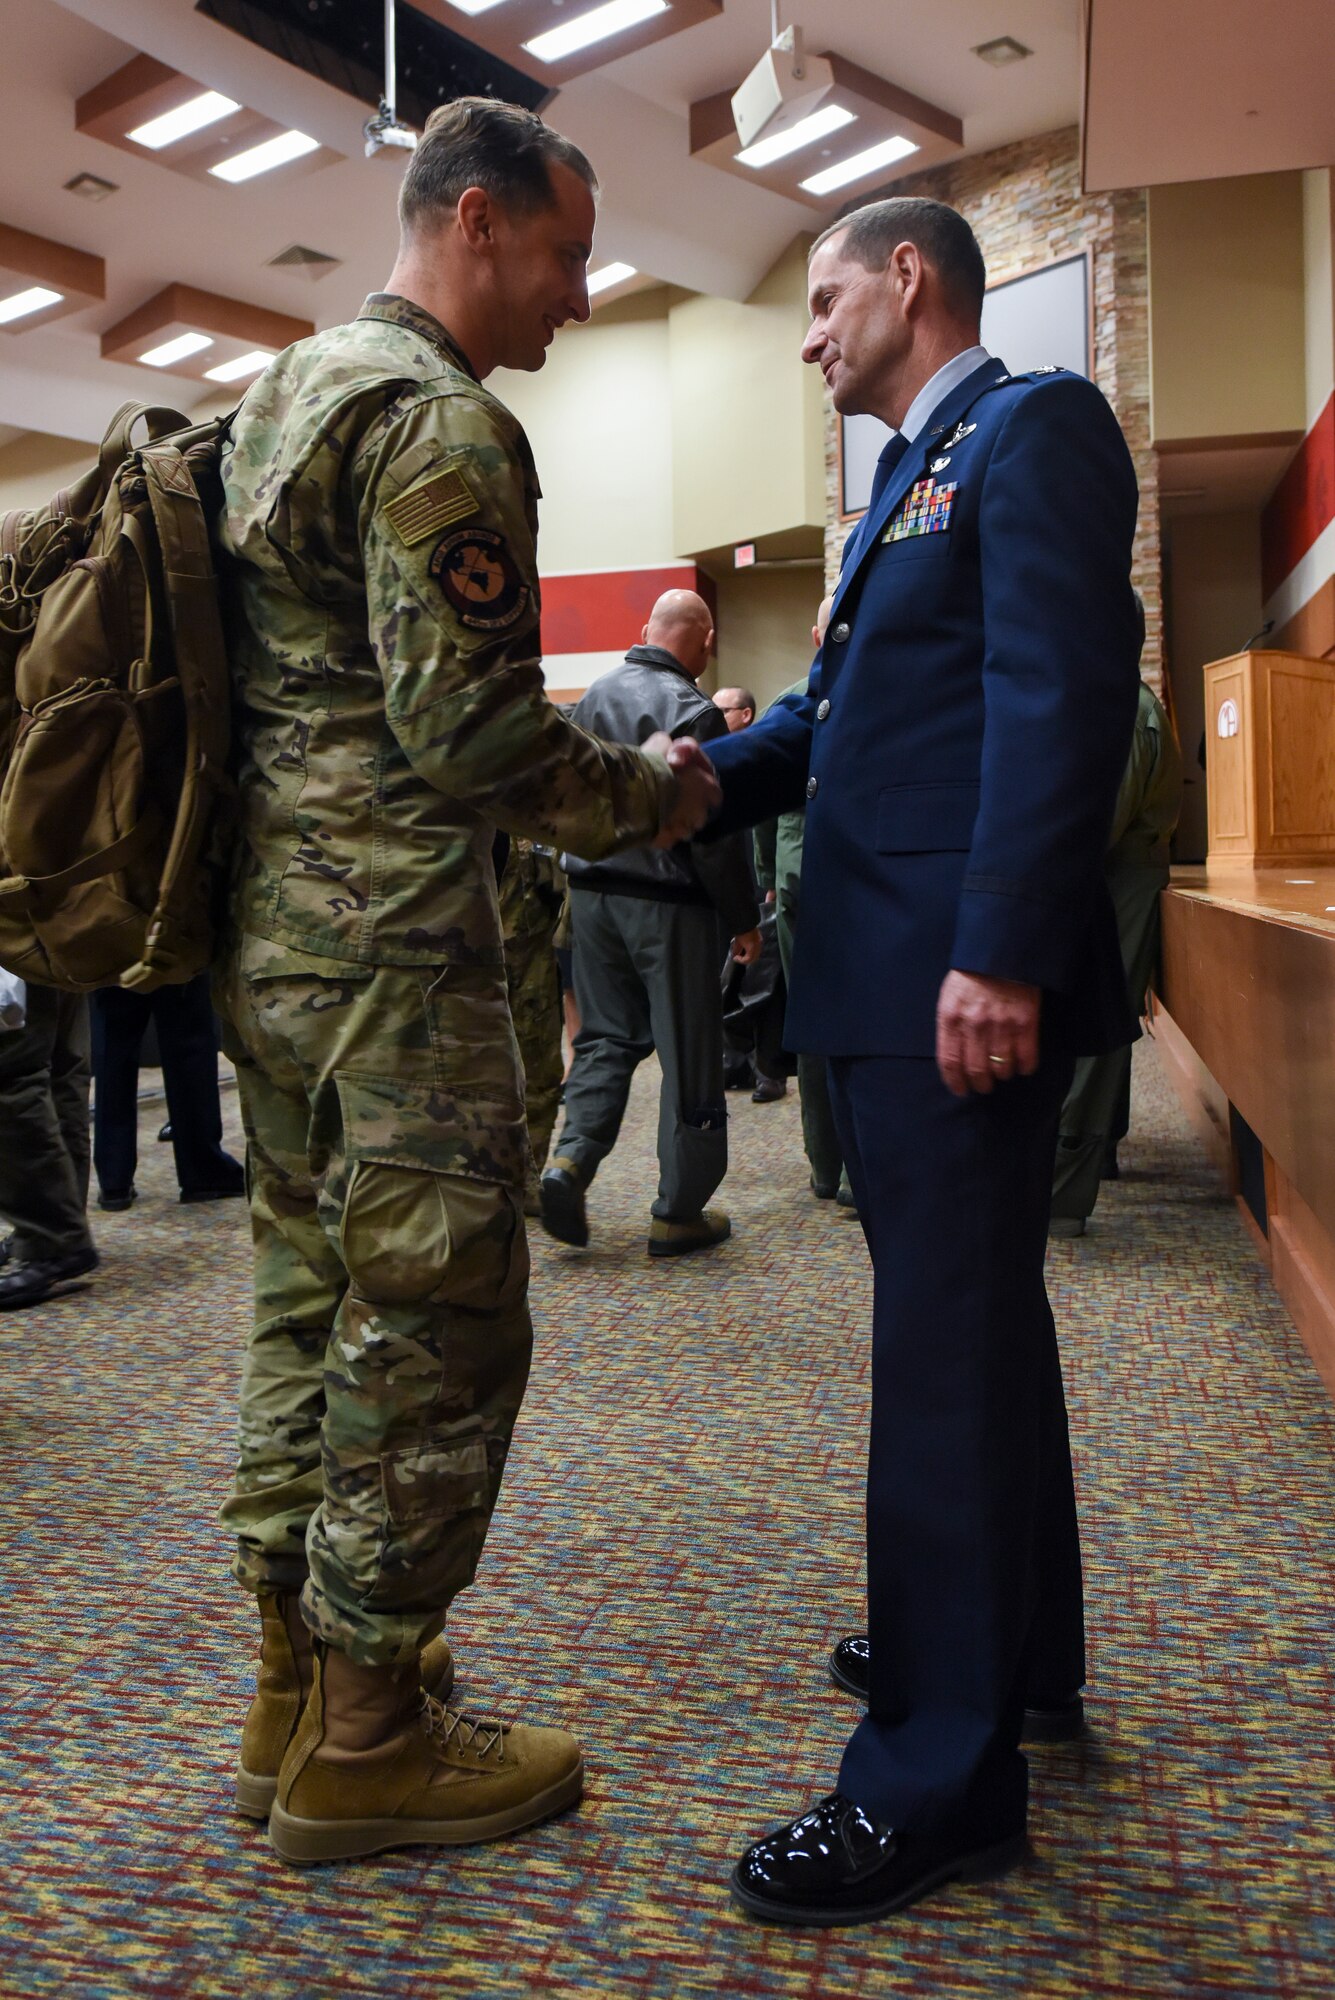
926	511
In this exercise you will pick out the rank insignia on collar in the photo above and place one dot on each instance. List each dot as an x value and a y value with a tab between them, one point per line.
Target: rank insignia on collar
1051	368
926	511
958	435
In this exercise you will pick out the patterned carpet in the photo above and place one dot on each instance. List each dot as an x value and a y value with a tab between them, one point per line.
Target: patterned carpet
677	1545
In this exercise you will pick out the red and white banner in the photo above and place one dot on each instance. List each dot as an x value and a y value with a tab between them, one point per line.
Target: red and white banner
1298	525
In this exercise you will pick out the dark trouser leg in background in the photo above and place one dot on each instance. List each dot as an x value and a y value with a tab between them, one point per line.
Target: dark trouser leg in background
71	1070
820	1141
188	1040
675	949
972	1545
44	1127
120	1019
614	1033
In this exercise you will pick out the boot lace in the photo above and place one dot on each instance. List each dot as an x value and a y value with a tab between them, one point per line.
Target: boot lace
450	1727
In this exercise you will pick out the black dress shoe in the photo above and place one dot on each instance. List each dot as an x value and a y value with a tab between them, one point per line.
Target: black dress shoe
228	1191
769	1089
28	1284
837	1865
114	1199
1046	1722
561	1203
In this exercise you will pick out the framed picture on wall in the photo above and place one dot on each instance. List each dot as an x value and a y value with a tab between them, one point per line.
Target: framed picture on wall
1031	321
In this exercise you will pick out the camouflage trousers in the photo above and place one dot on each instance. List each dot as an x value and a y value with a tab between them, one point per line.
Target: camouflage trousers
392	1340
531	901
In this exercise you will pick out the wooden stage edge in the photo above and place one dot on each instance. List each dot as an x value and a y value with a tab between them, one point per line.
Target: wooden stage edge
1245	1016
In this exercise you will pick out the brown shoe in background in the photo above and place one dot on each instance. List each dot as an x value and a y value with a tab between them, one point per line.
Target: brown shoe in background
378	1763
282	1687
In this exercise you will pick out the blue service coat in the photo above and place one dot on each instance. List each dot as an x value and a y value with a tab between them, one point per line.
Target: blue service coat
965	727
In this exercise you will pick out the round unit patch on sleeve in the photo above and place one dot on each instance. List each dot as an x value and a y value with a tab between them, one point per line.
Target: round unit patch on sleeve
480	579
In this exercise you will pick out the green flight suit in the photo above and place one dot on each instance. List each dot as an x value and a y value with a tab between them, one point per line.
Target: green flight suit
778	844
1137	868
379	535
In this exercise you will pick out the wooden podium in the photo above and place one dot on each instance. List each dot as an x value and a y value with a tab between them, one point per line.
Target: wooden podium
1270	759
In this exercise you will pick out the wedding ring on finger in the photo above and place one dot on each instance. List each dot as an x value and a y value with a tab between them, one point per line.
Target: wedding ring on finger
1000	1061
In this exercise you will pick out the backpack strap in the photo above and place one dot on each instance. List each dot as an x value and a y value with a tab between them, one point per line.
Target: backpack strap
201	665
116	445
107	860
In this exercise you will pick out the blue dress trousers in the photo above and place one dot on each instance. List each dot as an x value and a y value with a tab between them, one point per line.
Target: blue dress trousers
959	746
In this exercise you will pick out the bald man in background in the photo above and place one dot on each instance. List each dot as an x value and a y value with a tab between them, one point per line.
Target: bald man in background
648	931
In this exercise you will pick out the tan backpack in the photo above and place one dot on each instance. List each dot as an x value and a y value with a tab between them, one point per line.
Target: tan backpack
116	809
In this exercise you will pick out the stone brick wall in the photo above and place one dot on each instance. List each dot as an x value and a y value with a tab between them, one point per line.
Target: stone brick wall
1026	208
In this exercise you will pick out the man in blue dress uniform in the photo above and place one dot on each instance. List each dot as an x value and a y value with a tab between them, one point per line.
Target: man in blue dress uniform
959	746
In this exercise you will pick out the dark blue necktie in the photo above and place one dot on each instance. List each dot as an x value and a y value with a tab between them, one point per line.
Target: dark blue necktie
885	467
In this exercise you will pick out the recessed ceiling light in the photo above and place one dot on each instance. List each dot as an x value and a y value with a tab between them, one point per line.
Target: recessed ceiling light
203	110
613	18
1001	50
611	274
262	159
20	304
245	364
859	165
805	133
474	6
176	350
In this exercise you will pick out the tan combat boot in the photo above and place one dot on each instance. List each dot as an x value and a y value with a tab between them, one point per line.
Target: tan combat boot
679	1239
282	1685
379	1763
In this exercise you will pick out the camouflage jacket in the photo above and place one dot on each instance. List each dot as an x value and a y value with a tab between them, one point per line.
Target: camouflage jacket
380	576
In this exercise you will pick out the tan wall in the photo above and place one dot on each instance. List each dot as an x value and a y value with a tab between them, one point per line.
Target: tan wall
747	424
33	468
598	416
1214	605
1226	308
765	618
1319	291
1026	208
673	425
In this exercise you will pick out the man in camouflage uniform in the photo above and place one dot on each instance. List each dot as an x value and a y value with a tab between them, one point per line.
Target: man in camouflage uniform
379	533
532	894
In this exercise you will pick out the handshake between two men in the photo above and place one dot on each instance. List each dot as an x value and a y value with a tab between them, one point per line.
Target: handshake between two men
698	794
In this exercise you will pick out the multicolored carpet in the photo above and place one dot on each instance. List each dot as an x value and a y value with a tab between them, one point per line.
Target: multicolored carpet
677	1545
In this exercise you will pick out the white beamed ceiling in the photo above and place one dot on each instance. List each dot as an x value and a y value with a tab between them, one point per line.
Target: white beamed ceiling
676	219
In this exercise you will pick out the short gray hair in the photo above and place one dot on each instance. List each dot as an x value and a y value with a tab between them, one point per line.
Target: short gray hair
480	142
940	232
